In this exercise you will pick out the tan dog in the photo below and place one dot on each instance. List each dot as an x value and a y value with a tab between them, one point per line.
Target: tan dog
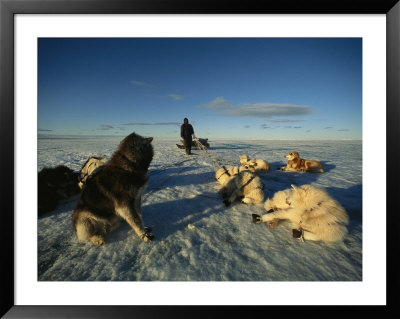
297	164
314	214
254	165
243	185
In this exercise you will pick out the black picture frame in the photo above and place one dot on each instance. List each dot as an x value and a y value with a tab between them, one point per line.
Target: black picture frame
9	8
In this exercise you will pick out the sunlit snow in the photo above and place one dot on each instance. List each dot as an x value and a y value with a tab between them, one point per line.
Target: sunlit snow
197	238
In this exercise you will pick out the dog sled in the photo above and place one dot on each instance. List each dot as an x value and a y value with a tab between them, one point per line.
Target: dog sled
202	141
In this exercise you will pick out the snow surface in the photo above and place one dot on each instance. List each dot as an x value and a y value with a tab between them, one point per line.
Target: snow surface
197	237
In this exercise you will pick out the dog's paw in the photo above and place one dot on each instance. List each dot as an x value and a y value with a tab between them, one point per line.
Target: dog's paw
256	218
97	240
147	237
248	201
226	202
273	223
223	193
297	233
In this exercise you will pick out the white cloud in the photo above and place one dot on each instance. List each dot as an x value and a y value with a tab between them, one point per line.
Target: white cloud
218	104
140	83
255	110
283	121
176	97
156	124
105	127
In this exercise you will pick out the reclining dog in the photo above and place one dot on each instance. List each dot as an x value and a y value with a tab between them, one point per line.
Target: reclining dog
55	184
244	185
254	165
223	174
297	164
312	212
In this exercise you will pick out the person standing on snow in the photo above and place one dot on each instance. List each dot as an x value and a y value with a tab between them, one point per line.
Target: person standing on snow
186	135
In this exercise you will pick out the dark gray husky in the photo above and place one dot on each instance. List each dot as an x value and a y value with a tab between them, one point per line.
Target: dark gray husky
115	192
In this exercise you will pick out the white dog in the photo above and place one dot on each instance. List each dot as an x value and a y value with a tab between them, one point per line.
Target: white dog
223	174
243	185
254	165
314	214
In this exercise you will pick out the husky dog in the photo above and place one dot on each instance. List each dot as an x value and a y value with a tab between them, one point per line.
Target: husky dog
243	185
115	192
223	174
254	165
297	164
54	184
93	164
314	214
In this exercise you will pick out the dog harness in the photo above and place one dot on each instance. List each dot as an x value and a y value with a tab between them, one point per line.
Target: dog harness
225	172
249	181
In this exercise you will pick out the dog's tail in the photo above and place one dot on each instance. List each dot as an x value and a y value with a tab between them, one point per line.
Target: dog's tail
317	169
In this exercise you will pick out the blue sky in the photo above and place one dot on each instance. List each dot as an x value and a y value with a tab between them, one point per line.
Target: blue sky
235	88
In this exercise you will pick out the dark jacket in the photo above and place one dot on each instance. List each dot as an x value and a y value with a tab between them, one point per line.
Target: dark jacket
186	131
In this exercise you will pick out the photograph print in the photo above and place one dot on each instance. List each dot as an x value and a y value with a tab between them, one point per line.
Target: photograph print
200	159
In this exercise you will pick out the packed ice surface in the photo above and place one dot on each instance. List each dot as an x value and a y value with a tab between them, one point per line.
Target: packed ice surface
197	238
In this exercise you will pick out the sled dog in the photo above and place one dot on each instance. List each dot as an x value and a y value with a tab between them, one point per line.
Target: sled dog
114	193
93	164
297	164
55	184
253	165
313	213
243	185
223	174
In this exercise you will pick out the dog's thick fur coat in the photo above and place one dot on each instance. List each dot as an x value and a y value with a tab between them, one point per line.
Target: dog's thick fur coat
297	164
253	165
244	185
115	192
310	210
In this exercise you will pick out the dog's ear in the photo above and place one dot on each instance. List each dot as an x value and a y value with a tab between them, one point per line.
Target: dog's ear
294	187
